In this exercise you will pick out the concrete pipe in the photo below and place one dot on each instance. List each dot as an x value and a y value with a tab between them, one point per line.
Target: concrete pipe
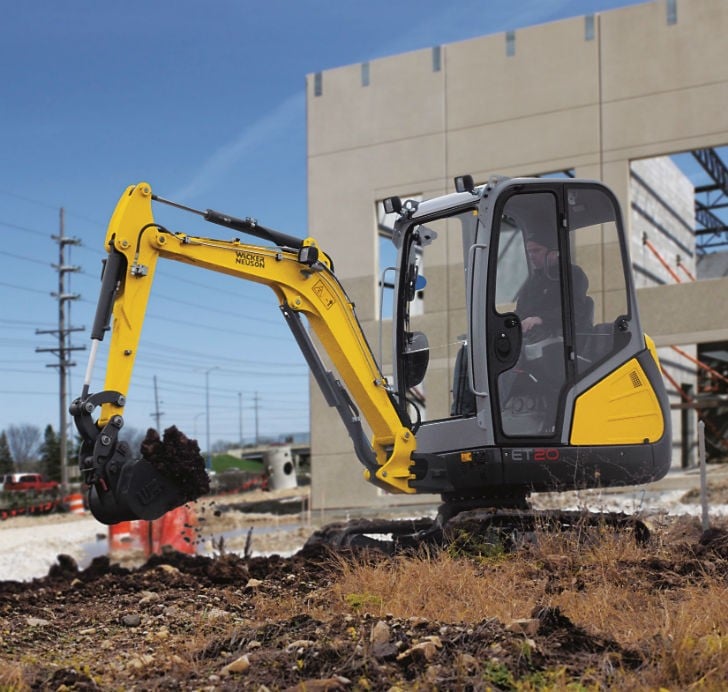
280	468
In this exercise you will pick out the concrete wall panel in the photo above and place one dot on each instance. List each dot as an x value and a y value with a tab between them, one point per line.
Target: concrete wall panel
638	127
643	55
639	88
685	313
532	144
403	101
551	70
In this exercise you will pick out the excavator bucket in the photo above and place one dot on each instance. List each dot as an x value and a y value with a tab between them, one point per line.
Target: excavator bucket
136	491
124	486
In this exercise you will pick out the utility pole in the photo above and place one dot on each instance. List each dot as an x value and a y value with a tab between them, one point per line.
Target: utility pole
157	415
64	349
240	418
257	437
208	460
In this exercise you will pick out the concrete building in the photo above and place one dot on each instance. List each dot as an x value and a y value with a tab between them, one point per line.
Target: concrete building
663	252
596	96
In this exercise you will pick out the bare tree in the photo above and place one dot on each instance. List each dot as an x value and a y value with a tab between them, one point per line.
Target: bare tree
24	441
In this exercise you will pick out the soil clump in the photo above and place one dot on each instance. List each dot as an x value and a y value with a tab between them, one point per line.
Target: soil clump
178	458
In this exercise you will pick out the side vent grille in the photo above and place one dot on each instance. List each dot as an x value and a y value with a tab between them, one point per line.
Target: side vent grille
635	377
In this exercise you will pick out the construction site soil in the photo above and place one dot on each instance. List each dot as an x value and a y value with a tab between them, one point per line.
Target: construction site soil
230	622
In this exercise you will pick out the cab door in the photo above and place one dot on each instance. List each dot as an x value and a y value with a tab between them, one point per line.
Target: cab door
528	335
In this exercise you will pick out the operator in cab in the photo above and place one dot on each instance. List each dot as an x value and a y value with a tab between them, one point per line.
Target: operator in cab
538	303
530	391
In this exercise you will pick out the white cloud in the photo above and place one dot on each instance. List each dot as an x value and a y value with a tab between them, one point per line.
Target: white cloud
219	164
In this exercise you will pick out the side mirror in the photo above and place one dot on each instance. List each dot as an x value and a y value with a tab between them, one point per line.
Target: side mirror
464	183
416	358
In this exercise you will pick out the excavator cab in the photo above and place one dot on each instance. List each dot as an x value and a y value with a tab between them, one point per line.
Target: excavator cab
521	362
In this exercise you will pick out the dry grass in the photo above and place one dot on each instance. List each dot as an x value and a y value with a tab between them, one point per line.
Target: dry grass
441	587
651	600
11	677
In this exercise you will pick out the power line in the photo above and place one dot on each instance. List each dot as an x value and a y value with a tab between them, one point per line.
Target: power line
14	343
28	372
23	257
162	296
64	348
15	226
229	394
279	408
207	327
16	361
149	359
261	369
30	200
24	392
157	415
23	288
5	320
48	205
162	273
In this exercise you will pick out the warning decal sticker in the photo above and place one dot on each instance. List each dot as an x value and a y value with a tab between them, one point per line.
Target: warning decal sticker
323	294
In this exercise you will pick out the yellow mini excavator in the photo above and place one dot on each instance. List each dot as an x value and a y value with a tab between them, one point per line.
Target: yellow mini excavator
518	361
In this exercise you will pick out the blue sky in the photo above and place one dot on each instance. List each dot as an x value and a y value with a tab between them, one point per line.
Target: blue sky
206	101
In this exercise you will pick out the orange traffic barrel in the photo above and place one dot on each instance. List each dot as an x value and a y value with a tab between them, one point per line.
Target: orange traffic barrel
75	504
174	530
122	536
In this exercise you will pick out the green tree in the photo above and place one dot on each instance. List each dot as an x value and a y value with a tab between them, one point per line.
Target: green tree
6	458
50	454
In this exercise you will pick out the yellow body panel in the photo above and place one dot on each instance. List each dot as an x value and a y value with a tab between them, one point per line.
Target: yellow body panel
621	409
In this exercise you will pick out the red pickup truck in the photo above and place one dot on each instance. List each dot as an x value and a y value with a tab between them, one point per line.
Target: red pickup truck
27	481
27	493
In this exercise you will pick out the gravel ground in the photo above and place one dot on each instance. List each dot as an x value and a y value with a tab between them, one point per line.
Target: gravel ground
181	622
30	545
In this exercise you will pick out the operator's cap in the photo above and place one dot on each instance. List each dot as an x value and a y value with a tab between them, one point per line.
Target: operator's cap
542	236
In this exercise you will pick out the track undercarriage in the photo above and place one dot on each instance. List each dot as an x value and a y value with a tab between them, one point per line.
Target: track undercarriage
481	528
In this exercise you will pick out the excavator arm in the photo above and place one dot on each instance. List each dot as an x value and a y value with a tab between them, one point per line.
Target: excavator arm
124	487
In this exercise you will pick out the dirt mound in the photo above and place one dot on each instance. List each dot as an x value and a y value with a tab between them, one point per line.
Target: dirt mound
227	622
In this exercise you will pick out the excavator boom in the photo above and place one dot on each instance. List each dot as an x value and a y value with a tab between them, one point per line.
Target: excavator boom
302	279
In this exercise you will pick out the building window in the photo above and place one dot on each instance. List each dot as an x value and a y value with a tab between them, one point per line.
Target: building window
437	58
510	43
318	84
365	74
672	11
589	27
562	173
